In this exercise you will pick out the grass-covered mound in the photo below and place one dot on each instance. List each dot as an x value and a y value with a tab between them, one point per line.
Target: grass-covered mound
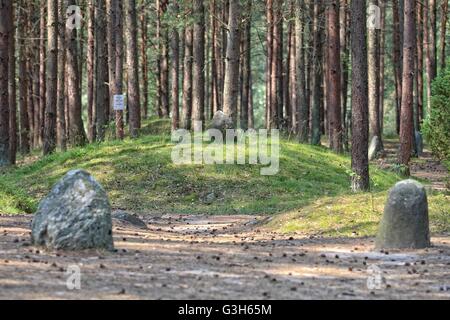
140	176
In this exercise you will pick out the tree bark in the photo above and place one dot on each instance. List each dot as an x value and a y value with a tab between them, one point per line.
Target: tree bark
52	77
23	82
317	72
302	107
61	113
187	80
5	40
334	77
409	46
444	19
102	71
231	89
397	61
419	66
133	73
360	125
12	92
430	47
198	67
118	79
374	80
92	129
175	71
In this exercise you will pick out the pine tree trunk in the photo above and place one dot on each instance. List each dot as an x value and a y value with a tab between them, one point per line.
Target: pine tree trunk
102	71
42	69
374	80
345	59
175	70
118	78
92	129
334	77
5	40
246	69
382	64
409	46
187	80
360	121
144	59
52	77
269	44
397	61
444	19
198	67
12	92
419	65
61	113
132	71
23	83
302	107
430	47
317	72
231	89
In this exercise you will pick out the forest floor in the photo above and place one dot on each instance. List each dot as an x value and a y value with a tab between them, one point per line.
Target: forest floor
226	257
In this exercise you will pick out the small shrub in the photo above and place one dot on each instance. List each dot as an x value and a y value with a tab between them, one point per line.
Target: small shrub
436	127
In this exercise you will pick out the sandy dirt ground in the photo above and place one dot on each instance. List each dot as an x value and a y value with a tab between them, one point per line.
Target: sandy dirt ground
220	257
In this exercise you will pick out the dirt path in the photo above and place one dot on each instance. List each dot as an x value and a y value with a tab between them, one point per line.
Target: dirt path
226	257
424	168
181	257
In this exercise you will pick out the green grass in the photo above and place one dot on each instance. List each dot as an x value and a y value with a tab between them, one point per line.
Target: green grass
140	176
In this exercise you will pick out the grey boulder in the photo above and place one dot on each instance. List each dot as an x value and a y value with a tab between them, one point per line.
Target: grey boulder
405	224
130	219
221	121
76	215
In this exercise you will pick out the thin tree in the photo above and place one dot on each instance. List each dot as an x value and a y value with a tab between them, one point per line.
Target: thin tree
317	72
42	68
52	77
92	130
5	32
360	125
12	92
443	40
198	67
187	79
374	77
430	33
334	77
23	81
134	108
61	113
397	60
419	66
102	106
302	107
231	89
118	78
409	46
175	71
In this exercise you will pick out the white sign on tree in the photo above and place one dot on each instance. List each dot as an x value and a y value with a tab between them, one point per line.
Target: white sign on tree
119	102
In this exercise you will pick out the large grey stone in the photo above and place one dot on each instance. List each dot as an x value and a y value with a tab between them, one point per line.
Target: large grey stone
131	219
76	215
405	224
221	121
374	148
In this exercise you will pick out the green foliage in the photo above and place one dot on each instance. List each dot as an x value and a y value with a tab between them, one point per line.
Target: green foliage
437	125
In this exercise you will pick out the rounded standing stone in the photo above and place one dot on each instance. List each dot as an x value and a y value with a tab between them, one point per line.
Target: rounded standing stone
76	215
405	224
